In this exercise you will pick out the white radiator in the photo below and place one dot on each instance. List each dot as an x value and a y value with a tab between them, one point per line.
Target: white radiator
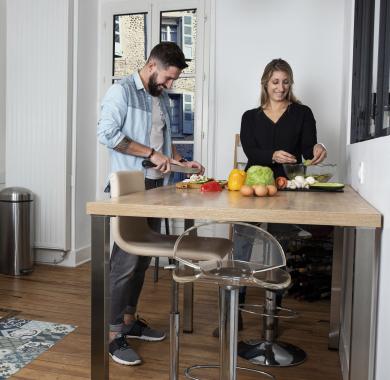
38	113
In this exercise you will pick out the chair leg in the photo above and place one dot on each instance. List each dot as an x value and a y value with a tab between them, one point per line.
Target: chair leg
157	259
156	266
174	330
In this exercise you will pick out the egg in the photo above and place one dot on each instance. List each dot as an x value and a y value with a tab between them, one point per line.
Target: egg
272	190
261	190
246	191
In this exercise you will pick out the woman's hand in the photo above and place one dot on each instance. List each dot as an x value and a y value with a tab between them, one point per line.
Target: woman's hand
319	154
282	157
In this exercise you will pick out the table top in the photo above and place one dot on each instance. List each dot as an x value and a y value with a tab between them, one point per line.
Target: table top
346	208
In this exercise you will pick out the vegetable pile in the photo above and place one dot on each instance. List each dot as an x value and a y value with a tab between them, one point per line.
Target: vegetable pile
300	182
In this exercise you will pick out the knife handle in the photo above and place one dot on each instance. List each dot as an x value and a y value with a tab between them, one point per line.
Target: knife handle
148	164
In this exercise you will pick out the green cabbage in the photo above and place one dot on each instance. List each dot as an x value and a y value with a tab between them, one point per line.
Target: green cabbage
259	175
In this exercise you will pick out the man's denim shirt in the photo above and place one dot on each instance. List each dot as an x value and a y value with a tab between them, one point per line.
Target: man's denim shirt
126	110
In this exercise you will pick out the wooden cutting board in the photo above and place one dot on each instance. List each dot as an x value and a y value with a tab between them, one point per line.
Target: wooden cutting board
194	185
188	185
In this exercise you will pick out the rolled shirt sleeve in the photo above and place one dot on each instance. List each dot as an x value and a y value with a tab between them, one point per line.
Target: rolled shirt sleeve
112	117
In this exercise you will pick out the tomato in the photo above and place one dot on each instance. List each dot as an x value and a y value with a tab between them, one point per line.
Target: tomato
281	183
211	186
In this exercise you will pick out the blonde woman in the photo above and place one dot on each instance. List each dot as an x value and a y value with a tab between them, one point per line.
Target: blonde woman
281	130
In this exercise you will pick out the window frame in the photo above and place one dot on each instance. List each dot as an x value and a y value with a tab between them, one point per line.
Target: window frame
368	105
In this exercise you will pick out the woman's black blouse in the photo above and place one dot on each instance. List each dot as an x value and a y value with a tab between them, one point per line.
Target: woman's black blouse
295	132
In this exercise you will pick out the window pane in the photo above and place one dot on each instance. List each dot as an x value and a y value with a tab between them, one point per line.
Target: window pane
130	47
180	27
371	128
182	111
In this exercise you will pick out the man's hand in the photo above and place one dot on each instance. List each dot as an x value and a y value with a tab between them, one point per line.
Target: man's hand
163	163
282	157
319	154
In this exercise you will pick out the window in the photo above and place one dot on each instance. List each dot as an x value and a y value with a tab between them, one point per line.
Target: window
371	68
129	31
129	48
180	27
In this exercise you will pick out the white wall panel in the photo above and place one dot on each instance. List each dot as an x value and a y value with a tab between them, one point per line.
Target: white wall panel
84	145
3	23
37	112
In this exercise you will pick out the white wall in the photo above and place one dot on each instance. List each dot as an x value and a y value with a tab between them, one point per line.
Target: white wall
249	33
53	85
3	26
376	189
375	155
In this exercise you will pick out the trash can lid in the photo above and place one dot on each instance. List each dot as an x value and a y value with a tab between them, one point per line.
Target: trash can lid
15	194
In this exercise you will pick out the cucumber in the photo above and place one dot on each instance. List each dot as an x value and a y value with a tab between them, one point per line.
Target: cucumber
327	185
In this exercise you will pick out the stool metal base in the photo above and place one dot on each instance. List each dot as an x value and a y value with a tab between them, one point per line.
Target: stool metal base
271	354
187	371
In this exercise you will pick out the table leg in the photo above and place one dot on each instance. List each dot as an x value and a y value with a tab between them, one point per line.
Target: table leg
100	296
364	304
337	261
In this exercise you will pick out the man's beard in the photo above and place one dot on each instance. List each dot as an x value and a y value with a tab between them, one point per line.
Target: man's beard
153	87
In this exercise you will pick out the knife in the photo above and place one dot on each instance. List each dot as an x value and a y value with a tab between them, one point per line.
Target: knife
174	168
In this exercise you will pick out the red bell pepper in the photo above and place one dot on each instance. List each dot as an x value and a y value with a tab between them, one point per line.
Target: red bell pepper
211	186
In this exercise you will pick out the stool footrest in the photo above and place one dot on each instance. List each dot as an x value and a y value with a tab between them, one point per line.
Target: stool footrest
289	313
187	371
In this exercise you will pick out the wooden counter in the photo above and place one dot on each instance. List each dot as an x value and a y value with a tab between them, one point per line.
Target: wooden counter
355	257
321	208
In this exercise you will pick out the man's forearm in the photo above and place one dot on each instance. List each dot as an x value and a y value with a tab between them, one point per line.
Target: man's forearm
130	147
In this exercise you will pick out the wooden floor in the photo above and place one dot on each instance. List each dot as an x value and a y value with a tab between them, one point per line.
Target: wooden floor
62	295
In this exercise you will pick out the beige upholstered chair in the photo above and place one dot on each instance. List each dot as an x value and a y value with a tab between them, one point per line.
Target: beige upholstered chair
133	234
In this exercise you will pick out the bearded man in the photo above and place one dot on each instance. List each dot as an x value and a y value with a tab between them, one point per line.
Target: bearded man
135	124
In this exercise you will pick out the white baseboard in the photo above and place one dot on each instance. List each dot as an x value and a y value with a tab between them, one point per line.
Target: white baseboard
60	258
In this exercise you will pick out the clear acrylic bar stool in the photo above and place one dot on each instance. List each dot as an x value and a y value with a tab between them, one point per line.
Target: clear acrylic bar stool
262	270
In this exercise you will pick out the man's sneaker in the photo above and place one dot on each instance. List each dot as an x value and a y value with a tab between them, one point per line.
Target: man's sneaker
139	329
121	352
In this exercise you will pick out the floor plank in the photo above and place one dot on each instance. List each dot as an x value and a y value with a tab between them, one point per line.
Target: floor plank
62	295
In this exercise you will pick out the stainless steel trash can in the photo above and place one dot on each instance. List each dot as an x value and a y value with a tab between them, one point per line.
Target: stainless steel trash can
16	231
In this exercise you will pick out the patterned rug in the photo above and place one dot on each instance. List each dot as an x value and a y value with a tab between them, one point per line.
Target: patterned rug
22	341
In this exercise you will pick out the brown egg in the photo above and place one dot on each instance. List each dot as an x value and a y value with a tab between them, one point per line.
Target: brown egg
261	190
272	190
246	191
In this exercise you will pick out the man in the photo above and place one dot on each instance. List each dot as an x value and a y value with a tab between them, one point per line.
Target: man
135	125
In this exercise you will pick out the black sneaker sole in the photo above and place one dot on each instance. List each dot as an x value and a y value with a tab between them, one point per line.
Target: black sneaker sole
146	338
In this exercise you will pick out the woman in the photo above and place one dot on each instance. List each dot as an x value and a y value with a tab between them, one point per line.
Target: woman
281	130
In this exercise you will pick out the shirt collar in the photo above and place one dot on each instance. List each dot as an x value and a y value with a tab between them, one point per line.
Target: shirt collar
138	81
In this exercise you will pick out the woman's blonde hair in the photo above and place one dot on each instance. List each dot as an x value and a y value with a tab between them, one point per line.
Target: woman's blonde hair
276	65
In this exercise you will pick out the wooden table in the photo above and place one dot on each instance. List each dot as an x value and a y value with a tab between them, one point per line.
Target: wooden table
355	257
